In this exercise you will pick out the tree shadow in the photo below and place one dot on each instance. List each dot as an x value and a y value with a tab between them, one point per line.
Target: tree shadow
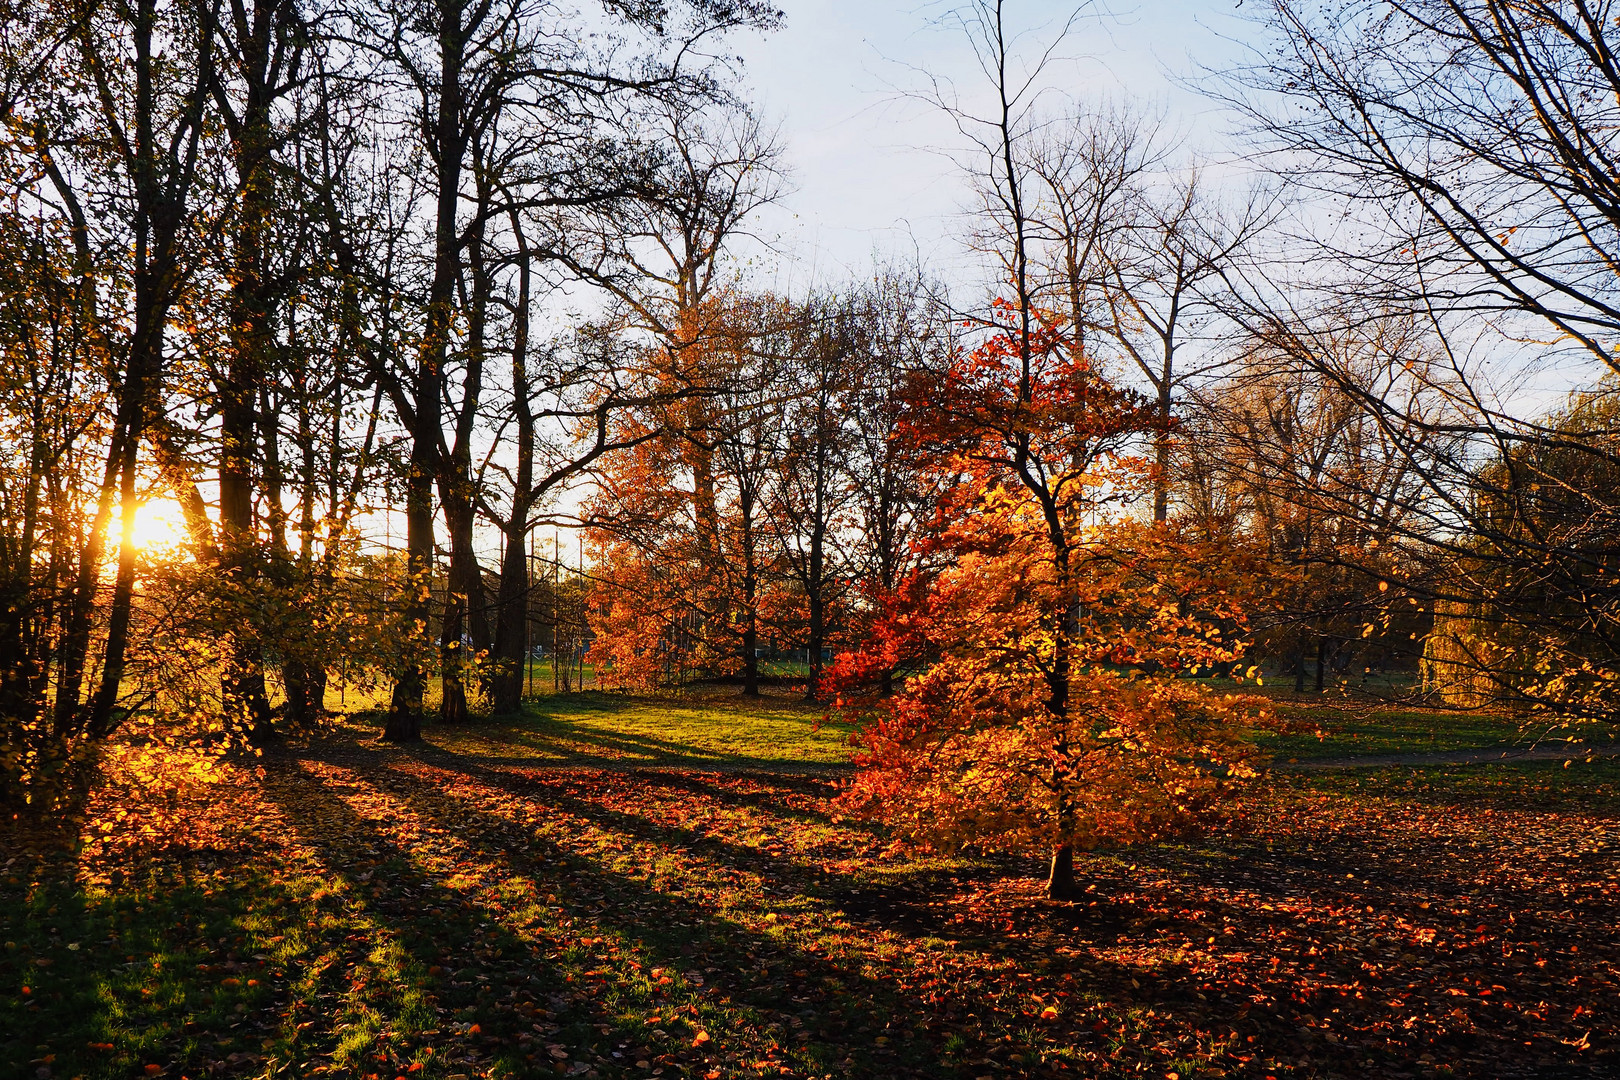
1269	941
554	742
786	989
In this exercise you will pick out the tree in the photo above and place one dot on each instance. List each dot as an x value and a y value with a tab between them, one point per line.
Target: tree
659	516
109	109
55	411
681	516
902	329
1130	254
1044	707
810	492
481	73
1018	715
1282	458
1467	146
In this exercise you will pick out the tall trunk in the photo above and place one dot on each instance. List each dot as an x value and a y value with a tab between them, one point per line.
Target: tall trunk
1165	383
302	673
1161	454
466	622
75	650
750	636
243	687
280	559
888	557
511	620
818	606
1060	883
705	506
251	350
144	365
465	627
159	208
405	709
816	557
510	624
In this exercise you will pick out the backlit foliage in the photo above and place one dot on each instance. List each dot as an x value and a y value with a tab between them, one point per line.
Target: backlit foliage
1048	703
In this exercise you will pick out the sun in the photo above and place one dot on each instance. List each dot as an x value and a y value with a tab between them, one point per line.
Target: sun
159	525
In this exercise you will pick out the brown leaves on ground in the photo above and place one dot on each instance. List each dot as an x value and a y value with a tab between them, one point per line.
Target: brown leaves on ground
498	920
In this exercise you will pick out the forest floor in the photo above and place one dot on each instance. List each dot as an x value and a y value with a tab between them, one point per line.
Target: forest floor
594	891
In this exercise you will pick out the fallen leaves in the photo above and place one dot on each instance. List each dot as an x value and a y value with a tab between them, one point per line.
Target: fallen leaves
421	915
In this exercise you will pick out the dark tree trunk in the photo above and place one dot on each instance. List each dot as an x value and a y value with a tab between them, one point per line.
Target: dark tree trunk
1060	878
511	608
816	569
450	143
160	183
512	604
750	636
463	608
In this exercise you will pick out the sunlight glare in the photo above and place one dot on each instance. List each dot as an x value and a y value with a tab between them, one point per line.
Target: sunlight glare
159	525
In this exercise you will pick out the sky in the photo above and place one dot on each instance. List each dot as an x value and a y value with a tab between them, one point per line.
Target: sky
866	172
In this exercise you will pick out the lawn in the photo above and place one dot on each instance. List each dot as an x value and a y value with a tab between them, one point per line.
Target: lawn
713	730
1337	727
679	899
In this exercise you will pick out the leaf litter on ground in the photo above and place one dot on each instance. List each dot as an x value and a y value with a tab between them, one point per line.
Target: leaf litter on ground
360	911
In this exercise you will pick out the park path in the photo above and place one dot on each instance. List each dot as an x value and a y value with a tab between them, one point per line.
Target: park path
1492	755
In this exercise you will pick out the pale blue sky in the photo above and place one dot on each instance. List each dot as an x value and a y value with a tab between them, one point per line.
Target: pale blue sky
833	76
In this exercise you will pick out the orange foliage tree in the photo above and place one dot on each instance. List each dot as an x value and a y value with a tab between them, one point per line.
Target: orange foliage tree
1049	704
686	569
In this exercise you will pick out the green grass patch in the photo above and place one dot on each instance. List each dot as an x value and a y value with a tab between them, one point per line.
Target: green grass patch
1347	729
688	731
206	965
1574	784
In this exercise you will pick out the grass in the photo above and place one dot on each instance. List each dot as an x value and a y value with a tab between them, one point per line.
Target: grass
347	698
1333	726
717	731
1573	785
682	900
1350	729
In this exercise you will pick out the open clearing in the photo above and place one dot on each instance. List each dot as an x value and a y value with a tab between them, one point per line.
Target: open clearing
678	900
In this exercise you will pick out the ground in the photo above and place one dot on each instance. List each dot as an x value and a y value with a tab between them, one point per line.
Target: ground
613	886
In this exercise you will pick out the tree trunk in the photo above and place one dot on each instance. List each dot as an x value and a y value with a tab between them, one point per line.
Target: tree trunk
815	577
243	693
512	603
450	141
463	606
159	209
303	673
510	608
1060	878
750	637
1161	438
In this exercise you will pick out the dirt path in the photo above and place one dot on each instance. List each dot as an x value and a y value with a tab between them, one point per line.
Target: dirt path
1487	756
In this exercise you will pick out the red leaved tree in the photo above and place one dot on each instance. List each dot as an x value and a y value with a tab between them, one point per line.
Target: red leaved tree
1049	704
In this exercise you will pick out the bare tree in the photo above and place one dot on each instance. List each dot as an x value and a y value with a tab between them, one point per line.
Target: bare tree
1464	150
468	65
1130	246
